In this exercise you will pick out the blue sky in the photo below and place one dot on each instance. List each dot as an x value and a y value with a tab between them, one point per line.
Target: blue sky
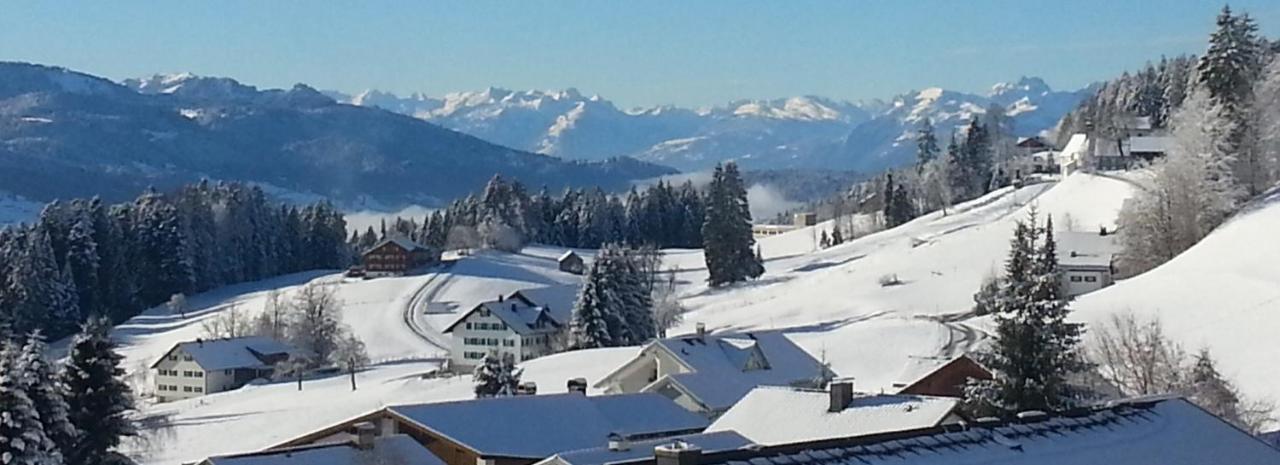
634	53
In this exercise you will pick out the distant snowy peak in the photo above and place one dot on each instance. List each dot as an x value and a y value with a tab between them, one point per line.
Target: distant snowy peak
805	108
192	86
1006	93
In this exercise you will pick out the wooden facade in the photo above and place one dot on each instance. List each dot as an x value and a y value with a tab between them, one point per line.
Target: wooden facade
949	379
395	257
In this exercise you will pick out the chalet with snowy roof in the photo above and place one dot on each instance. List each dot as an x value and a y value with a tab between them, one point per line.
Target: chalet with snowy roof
529	323
779	415
620	451
571	262
395	256
522	430
1134	432
939	376
1086	260
1149	148
199	367
1033	144
709	373
364	448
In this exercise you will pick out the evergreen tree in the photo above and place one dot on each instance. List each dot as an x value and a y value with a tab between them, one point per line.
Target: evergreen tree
824	241
98	399
615	305
487	376
47	393
1035	348
926	145
726	232
1228	71
22	437
508	375
837	237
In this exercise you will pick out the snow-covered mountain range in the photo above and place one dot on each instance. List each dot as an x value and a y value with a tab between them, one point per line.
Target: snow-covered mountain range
796	132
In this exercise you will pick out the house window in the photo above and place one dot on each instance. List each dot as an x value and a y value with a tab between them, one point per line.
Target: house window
508	343
1075	279
199	389
186	389
1090	279
228	372
468	325
187	357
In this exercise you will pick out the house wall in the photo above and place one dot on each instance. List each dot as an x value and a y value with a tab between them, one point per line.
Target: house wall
470	343
651	365
1077	281
387	260
949	380
189	380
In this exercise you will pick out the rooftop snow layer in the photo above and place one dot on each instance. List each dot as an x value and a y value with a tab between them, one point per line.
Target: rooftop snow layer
1169	432
240	352
539	426
723	368
1086	248
772	415
398	449
722	441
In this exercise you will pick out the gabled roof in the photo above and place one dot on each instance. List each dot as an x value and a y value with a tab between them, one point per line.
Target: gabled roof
774	415
722	441
520	314
568	254
918	368
1139	432
231	353
400	241
1272	438
1086	249
1150	144
559	299
724	368
537	427
397	449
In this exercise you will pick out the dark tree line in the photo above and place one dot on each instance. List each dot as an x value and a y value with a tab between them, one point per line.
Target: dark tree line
1155	91
505	214
85	258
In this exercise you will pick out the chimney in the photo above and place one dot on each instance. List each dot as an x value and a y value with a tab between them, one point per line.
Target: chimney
841	395
500	298
618	443
365	432
701	329
677	453
578	385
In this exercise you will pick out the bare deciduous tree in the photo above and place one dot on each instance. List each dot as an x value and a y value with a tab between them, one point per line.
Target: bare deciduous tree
228	323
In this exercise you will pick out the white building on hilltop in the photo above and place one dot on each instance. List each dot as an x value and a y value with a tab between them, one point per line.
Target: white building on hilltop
199	367
527	324
1086	261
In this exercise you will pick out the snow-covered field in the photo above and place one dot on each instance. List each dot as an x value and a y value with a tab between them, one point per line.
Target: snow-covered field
830	301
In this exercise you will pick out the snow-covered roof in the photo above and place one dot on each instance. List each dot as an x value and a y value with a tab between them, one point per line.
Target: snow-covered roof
522	314
539	426
776	415
1150	144
724	368
401	241
1076	147
1154	432
239	352
396	449
918	367
567	254
1085	249
722	441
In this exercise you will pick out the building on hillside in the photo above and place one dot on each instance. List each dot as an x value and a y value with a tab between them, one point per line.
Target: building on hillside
798	220
620	451
1073	157
1149	148
939	376
1033	144
199	367
1272	438
522	430
528	324
803	219
777	415
1134	432
1086	261
1137	126
395	256
1044	162
708	374
571	262
364	448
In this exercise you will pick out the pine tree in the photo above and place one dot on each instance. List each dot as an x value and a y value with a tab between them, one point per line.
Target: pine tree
926	145
824	241
98	399
47	393
727	239
508	376
615	306
487	376
22	437
1035	348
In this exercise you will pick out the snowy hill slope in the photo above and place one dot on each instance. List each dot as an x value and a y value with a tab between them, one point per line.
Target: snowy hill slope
1223	293
832	299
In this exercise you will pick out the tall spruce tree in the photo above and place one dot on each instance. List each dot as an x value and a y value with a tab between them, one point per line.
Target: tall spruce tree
22	437
98	400
726	233
926	145
45	389
614	307
1035	350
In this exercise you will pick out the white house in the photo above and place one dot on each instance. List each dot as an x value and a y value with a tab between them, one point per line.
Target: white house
199	367
708	374
1086	260
527	324
780	415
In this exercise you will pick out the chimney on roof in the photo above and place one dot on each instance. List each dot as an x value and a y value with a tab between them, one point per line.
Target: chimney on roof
527	388
841	394
500	298
578	385
200	341
618	442
677	453
365	432
701	329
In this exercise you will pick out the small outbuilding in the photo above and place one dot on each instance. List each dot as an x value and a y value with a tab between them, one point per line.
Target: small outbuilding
571	262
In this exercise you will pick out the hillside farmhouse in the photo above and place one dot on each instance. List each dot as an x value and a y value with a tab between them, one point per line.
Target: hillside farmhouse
199	367
571	262
708	374
1086	261
395	256
527	324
